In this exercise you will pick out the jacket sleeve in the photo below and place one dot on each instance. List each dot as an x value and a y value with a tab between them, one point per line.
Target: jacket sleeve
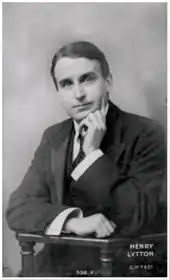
129	199
30	208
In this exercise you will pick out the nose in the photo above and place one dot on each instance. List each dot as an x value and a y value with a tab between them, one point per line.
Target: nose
79	91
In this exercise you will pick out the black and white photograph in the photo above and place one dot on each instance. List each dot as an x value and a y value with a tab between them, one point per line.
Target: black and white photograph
84	139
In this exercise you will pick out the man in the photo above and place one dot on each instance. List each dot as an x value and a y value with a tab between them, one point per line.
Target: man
98	172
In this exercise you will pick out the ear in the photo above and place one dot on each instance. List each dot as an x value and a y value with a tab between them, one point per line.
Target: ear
109	82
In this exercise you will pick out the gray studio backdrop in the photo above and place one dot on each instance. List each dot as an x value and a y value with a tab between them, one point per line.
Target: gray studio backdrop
133	37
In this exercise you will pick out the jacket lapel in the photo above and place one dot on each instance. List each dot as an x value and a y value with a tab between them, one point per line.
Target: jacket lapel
116	151
112	143
58	158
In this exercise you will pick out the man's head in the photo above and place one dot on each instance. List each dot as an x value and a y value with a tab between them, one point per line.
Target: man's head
81	75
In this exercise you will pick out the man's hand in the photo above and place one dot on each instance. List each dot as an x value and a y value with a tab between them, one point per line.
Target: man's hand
96	223
96	128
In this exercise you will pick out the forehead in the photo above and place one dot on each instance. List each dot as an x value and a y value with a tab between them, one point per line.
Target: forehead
68	67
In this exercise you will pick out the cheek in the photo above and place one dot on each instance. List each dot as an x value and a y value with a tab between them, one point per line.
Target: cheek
96	90
93	88
66	97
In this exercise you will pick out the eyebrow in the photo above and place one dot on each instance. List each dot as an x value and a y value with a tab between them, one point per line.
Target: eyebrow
65	80
90	74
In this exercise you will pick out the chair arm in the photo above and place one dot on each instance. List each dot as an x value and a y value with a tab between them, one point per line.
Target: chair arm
106	245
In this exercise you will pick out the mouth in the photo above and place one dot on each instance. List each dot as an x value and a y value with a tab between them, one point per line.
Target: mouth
84	105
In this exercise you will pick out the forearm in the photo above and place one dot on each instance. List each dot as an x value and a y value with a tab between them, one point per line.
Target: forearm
129	199
31	214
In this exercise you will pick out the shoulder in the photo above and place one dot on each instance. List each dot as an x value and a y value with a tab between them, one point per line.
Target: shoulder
145	136
132	125
58	127
56	133
141	126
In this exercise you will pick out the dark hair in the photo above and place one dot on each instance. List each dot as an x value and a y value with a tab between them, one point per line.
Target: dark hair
80	49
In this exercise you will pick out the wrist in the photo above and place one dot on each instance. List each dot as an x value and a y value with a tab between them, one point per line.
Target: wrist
89	151
70	224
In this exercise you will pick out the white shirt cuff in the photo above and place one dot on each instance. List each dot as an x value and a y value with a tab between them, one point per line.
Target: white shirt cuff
85	164
56	225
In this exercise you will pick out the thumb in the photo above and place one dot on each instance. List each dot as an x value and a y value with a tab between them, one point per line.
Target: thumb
113	224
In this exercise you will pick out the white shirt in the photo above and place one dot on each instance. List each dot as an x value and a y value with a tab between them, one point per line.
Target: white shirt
56	225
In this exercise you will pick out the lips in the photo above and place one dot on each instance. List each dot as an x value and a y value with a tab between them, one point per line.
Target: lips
82	105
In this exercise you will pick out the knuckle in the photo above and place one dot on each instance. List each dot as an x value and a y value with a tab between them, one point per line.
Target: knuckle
101	218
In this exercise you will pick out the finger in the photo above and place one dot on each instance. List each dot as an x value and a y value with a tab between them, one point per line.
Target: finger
97	119
102	229
105	229
93	119
90	126
110	228
103	106
101	232
100	119
85	123
113	224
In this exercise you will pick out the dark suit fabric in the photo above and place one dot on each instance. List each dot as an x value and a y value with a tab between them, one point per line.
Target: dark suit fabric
124	184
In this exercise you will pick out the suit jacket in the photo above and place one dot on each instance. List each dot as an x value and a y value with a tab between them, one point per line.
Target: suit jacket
124	183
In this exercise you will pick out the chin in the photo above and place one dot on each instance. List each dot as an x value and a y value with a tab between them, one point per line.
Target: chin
79	117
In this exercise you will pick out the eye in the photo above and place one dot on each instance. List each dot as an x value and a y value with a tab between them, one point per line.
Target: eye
87	78
66	83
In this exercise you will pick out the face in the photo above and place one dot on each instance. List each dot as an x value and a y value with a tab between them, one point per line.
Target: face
81	86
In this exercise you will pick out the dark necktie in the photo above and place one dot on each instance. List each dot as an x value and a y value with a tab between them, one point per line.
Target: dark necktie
81	154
